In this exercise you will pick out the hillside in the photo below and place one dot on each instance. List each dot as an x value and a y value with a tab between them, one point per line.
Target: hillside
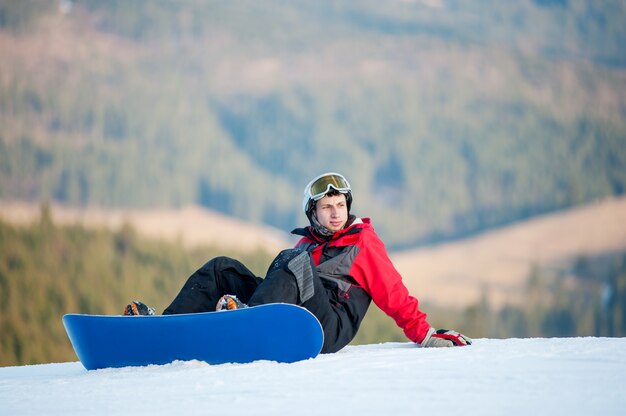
456	274
449	117
192	226
498	263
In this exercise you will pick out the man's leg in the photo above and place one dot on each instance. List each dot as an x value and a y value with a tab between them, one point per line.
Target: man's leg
219	276
292	278
336	323
288	279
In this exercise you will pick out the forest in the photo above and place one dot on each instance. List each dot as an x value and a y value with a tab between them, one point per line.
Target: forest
448	117
48	270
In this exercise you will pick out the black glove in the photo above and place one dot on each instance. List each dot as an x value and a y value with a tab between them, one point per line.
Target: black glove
445	338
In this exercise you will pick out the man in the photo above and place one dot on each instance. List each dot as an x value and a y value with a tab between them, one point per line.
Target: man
336	269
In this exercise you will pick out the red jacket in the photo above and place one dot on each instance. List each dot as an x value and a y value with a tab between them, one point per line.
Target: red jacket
368	266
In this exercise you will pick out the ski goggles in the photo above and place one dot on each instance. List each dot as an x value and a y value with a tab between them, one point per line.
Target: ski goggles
321	185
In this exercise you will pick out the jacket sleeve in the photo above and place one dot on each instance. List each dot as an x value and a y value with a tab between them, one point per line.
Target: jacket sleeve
374	271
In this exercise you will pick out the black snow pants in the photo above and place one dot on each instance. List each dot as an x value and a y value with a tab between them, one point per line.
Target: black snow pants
291	278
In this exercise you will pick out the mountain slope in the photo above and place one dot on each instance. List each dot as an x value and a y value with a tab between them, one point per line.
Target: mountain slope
498	263
193	226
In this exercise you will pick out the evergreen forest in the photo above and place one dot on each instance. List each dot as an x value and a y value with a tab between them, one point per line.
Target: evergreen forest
47	270
448	117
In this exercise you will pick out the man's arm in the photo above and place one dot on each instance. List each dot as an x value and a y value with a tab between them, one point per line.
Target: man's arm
375	272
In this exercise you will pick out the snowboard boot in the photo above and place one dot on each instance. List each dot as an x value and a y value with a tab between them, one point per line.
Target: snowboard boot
229	303
138	308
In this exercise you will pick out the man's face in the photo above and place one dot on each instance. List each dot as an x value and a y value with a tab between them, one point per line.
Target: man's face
332	212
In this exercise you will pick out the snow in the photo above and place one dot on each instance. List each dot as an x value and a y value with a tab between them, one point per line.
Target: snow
566	376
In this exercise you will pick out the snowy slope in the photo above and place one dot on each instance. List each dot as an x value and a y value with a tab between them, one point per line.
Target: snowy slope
559	376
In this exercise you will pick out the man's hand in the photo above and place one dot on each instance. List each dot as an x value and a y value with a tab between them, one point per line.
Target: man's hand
445	338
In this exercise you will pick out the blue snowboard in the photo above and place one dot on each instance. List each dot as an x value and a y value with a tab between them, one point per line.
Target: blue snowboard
275	332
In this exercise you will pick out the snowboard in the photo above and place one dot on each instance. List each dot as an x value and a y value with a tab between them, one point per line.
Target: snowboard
276	332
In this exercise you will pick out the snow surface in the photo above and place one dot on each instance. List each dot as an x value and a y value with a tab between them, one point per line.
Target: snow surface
556	376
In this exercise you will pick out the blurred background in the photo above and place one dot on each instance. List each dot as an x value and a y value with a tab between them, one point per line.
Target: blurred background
486	140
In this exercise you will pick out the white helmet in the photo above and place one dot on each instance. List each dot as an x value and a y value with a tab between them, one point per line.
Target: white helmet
321	185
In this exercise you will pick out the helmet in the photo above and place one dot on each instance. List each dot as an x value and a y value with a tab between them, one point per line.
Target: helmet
321	185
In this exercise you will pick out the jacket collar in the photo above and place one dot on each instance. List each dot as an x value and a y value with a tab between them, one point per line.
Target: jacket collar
355	226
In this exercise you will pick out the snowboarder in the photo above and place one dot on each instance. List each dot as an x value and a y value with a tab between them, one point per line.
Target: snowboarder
336	269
